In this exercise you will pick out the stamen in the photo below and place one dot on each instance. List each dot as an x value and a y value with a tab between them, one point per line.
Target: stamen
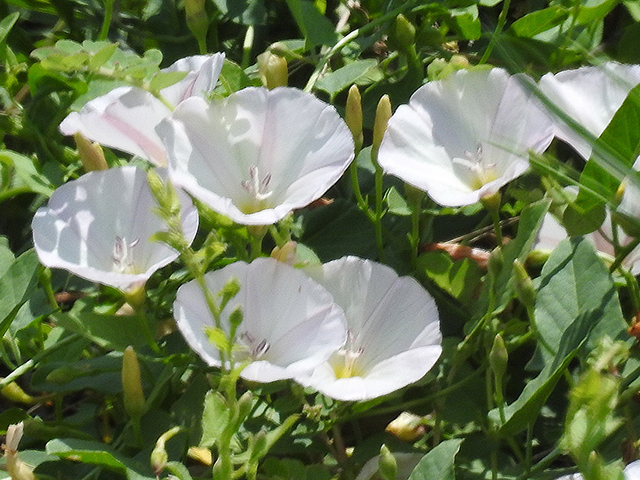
255	351
256	187
482	172
123	255
345	359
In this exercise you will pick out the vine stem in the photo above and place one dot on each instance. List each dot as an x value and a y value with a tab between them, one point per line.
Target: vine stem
502	19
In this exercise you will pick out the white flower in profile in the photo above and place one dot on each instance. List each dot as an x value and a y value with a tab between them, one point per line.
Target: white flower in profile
257	154
590	96
290	323
393	336
462	138
126	117
98	227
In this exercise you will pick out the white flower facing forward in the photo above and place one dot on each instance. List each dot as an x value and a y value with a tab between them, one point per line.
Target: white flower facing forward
258	154
290	323
126	117
393	334
98	227
462	138
590	96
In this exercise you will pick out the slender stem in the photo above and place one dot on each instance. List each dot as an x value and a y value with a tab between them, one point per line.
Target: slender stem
622	254
528	462
497	227
106	22
502	19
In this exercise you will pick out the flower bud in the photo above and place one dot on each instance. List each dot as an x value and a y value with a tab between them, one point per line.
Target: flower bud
353	116
17	469
273	70
197	21
91	154
286	253
383	114
402	34
387	465
15	393
131	384
498	357
159	456
524	288
407	427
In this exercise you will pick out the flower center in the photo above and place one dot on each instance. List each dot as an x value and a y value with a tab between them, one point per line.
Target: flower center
344	361
480	172
256	187
123	255
255	349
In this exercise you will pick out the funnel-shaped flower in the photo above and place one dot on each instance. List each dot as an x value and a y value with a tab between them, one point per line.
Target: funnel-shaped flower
462	138
126	117
290	323
257	154
590	96
98	227
393	336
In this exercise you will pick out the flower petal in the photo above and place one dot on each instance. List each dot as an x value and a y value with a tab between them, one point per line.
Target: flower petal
464	137
394	331
87	218
590	96
290	323
257	154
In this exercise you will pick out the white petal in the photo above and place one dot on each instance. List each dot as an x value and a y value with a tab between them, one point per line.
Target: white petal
472	114
124	118
393	326
202	78
298	145
282	309
590	96
79	228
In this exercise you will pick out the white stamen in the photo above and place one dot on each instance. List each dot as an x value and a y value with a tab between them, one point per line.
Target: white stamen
256	351
483	172
123	255
255	186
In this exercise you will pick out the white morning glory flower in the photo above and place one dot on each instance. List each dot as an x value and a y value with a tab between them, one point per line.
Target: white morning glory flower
257	154
590	96
290	323
393	336
126	117
631	472
98	227
462	138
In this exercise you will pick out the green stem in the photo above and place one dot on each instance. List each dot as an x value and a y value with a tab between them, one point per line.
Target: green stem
622	254
497	227
502	19
106	23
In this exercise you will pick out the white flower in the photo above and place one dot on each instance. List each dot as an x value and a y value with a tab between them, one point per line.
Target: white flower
290	323
590	96
126	117
462	138
631	472
258	154
98	227
393	334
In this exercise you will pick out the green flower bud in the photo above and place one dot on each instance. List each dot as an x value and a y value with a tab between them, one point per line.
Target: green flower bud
353	116
498	357
387	465
91	154
273	70
402	34
383	114
159	456
131	384
525	290
197	21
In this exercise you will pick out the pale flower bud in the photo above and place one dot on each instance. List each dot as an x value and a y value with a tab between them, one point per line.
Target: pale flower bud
498	357
353	116
387	465
407	427
159	456
18	470
383	114
286	253
90	153
131	384
273	70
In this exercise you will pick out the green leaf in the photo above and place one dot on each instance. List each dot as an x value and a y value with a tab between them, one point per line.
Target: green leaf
16	286
526	408
315	27
582	222
7	23
214	418
102	56
590	14
99	454
165	79
27	172
396	203
438	463
361	72
109	331
245	12
614	153
458	278
575	283
233	78
539	21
